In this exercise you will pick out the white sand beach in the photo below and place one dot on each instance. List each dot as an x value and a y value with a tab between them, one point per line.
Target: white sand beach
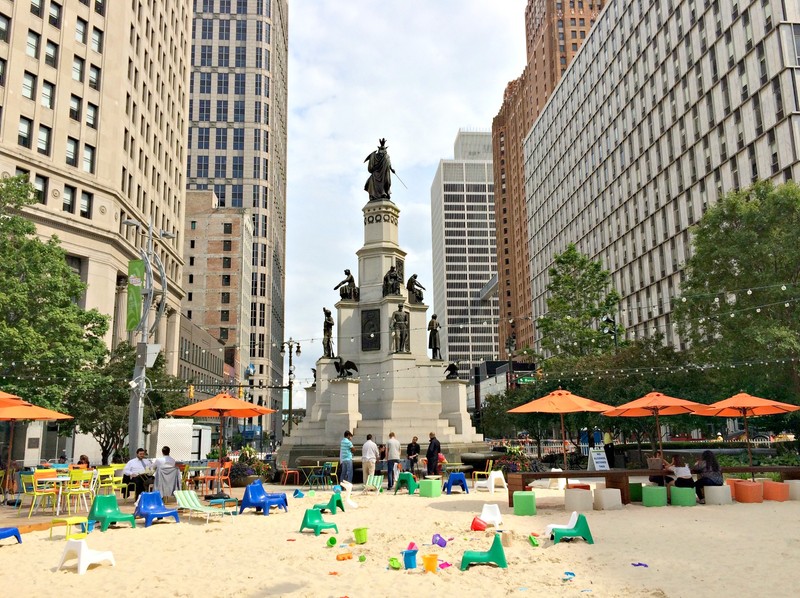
736	550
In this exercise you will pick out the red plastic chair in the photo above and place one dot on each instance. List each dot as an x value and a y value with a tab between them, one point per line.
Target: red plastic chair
287	472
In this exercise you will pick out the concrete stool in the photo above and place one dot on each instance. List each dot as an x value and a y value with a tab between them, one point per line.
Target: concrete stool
599	485
430	488
636	491
576	499
682	497
731	482
794	489
524	502
749	491
607	499
654	496
718	495
776	491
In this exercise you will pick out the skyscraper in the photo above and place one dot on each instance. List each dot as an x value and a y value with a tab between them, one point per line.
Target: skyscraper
237	149
462	216
554	32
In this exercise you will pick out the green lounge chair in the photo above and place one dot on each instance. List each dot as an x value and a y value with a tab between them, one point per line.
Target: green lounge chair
188	499
495	555
313	520
335	501
105	511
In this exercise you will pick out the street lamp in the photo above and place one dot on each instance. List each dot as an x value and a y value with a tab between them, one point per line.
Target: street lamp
146	353
511	345
294	347
610	327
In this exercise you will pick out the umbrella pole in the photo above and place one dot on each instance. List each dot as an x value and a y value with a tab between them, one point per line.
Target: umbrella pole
658	435
747	440
6	483
564	442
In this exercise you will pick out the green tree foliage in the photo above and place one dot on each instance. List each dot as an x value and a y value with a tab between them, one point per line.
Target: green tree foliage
742	287
46	339
579	299
100	401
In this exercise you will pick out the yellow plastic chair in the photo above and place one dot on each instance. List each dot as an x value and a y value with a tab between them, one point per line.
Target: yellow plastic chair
36	486
485	474
333	474
105	480
78	487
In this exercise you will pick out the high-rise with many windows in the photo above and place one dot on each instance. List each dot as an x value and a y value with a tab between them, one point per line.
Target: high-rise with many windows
93	105
462	219
669	105
237	149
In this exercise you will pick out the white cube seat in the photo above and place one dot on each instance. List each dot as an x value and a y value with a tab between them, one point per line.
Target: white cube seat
718	495
578	499
607	499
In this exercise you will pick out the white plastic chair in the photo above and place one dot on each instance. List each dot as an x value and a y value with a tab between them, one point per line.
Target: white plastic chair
491	515
77	549
348	489
494	480
573	520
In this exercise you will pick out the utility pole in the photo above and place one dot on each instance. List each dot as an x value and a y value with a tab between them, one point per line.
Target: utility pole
293	346
146	353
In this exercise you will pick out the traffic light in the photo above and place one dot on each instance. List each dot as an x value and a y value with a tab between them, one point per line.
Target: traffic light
190	391
241	391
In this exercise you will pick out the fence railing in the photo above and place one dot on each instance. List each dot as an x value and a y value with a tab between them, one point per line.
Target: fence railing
554	446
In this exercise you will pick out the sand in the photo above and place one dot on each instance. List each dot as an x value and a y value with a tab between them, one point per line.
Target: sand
704	550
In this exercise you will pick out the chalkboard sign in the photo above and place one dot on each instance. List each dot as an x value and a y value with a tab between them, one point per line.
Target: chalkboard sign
597	460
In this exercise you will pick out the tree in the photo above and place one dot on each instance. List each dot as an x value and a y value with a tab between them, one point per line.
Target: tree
100	402
579	299
740	297
46	339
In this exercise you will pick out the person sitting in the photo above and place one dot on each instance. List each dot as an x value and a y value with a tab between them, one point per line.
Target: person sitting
167	476
657	462
708	474
137	474
83	460
682	473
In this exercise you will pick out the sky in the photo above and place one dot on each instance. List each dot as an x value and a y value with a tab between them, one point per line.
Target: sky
412	71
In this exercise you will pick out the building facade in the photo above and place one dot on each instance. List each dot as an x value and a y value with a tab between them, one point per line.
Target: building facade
462	218
94	100
237	149
669	105
554	32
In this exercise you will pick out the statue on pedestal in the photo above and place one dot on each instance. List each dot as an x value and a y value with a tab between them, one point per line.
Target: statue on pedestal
391	282
347	288
451	371
399	322
327	334
414	289
433	338
380	169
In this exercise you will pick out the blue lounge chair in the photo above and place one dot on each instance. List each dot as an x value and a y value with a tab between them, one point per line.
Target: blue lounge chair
10	532
151	506
256	498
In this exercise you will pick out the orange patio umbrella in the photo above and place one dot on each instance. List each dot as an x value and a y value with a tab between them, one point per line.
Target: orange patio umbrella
561	402
7	399
744	405
655	403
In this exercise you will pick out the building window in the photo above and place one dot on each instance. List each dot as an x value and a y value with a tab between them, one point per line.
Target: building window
88	158
222	139
33	43
238	139
40	184
81	28
225	298
203	134
100	7
29	85
205	82
97	40
225	315
241	30
223	56
223	334
78	64
2	71
48	94
72	151
43	143
92	112
193	224
224	30
68	199
220	169
226	280
222	83
227	228
5	25
75	107
25	131
51	54
226	262
227	245
94	77
241	57
86	204
36	8
238	111
202	167
55	14
205	55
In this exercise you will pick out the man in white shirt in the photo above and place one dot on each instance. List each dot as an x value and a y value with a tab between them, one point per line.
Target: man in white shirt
369	457
392	457
136	473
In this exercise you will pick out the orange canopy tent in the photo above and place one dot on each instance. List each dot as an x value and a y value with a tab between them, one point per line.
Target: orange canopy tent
744	405
561	402
657	404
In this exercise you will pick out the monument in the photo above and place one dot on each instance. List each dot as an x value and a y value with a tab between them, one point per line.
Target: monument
397	387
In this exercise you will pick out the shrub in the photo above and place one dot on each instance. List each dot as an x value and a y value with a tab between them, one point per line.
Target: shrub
241	470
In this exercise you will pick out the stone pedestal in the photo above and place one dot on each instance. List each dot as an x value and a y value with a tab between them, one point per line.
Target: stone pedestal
344	413
454	405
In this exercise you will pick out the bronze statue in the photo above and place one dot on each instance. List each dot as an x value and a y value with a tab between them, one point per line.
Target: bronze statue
391	282
343	367
400	329
380	169
414	289
451	371
433	338
347	288
327	334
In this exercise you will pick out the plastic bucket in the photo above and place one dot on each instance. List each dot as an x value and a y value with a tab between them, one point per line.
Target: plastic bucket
410	559
430	562
298	494
478	524
360	534
438	541
412	546
331	542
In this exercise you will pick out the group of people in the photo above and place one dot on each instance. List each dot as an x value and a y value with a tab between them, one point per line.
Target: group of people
680	474
372	453
162	472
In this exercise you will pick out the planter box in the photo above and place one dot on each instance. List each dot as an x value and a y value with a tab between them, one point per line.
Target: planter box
242	482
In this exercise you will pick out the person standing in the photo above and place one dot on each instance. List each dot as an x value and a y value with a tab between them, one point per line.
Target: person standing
392	457
412	454
346	457
432	454
608	447
369	457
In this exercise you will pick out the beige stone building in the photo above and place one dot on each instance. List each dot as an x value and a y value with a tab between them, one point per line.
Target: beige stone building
94	99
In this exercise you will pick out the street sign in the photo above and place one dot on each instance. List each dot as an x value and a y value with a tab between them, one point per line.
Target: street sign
526	380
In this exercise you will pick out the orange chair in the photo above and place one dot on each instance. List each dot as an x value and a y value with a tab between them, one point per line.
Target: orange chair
749	491
732	483
225	475
287	472
776	491
206	479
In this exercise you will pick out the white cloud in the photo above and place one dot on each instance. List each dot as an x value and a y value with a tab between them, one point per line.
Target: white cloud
412	71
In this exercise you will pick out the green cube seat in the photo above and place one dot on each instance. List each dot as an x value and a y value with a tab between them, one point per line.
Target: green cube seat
524	502
654	496
682	497
430	488
636	491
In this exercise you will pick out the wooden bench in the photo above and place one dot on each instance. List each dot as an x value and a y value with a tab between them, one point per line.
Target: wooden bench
620	478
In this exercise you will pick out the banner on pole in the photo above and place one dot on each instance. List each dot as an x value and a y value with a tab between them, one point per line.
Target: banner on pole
135	284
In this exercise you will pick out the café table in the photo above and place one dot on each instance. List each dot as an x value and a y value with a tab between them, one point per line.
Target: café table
307	471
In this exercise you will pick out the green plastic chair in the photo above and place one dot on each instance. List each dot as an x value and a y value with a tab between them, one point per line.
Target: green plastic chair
406	478
105	510
335	501
313	520
580	530
188	499
495	555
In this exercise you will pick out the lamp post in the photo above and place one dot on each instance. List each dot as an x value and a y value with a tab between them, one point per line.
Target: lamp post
146	353
294	347
610	327
511	345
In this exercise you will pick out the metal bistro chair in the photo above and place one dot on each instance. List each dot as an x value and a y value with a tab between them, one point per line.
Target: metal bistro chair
289	472
320	476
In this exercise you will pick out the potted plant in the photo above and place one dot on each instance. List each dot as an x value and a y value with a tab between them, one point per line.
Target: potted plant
242	474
